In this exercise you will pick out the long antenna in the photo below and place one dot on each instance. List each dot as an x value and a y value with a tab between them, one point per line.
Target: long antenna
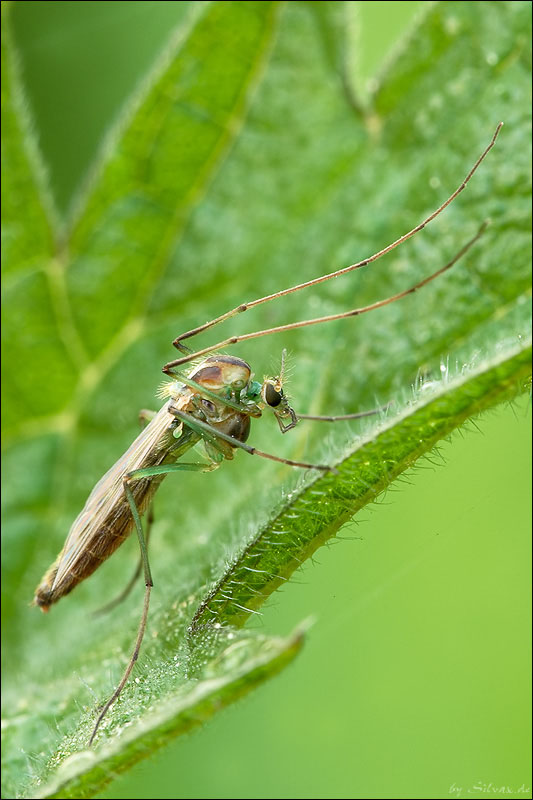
245	306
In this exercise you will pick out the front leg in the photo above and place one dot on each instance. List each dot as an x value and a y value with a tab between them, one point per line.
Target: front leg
344	417
215	436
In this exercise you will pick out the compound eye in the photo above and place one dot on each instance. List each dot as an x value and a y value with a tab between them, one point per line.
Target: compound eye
272	396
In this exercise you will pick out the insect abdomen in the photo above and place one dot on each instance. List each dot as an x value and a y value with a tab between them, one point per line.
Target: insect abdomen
104	542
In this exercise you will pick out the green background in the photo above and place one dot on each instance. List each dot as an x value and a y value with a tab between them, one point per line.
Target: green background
403	611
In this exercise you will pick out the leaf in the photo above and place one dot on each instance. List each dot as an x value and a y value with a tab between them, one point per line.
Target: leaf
232	173
314	513
28	219
237	663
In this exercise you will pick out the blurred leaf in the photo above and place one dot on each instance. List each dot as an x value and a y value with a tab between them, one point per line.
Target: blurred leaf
27	253
241	166
27	237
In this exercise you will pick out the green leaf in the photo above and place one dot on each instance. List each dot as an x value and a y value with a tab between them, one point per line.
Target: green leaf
160	161
243	165
28	222
315	512
27	230
236	663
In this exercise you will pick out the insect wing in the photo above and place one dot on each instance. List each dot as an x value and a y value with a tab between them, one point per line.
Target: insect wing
109	491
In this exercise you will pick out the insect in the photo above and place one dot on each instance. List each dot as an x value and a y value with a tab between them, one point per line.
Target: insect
210	405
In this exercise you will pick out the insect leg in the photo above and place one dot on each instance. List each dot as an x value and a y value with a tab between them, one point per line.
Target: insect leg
251	409
354	312
142	473
142	625
178	342
212	435
146	415
133	580
343	417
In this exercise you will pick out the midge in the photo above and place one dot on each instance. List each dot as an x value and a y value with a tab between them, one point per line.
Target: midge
212	404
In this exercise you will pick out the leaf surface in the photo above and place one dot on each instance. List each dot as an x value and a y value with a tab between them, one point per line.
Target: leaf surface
242	165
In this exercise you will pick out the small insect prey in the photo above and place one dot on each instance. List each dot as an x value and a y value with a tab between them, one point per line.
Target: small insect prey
213	402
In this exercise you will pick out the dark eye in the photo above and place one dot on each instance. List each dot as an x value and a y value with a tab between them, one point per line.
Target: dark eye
272	396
